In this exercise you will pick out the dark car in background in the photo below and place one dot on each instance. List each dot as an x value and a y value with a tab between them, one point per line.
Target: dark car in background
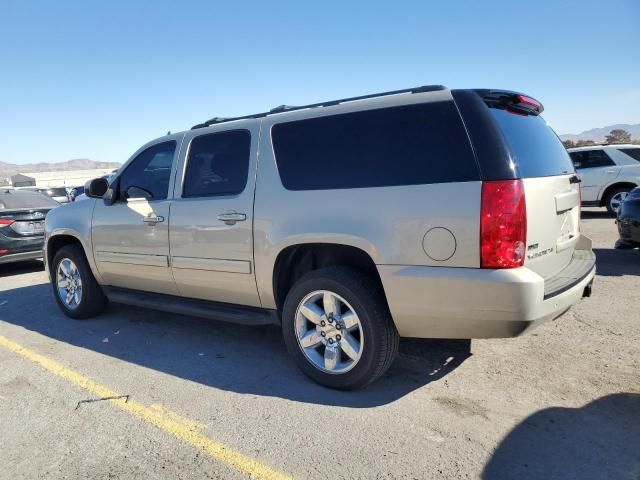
628	220
59	194
22	216
75	192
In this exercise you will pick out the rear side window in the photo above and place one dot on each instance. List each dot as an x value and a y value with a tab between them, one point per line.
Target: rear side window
632	152
406	145
218	164
591	159
536	149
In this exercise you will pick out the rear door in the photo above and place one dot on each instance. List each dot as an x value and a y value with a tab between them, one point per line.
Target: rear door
211	225
596	170
551	190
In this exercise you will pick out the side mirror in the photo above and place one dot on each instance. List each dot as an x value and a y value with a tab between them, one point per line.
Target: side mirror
96	188
138	192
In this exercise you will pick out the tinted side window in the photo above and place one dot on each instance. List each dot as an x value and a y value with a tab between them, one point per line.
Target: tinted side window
406	145
632	152
591	159
150	170
218	164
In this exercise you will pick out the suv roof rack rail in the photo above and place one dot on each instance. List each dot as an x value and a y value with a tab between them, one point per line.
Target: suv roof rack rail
289	108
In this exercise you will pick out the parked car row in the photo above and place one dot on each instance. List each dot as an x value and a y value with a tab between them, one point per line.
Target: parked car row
608	173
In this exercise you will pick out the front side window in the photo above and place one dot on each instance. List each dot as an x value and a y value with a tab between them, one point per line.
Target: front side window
148	175
218	164
591	159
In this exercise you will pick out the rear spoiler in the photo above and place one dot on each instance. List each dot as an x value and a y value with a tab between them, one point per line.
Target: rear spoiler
512	101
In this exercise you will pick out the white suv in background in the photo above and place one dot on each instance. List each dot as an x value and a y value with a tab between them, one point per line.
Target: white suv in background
608	173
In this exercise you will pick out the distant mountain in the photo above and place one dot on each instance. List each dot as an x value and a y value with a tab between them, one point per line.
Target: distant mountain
599	134
9	169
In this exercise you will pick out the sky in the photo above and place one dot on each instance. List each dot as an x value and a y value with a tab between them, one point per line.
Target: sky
99	79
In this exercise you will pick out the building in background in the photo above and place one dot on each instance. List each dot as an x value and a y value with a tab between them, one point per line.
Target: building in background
20	180
69	178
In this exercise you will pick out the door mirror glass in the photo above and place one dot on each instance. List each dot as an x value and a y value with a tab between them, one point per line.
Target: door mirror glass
96	188
138	192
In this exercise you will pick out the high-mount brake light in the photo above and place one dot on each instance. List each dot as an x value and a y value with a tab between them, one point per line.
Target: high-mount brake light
503	224
529	101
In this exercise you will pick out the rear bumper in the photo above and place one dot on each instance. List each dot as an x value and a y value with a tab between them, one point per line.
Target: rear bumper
628	222
26	248
441	302
20	257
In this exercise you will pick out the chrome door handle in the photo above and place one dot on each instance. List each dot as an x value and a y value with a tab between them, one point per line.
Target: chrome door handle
152	220
232	217
609	171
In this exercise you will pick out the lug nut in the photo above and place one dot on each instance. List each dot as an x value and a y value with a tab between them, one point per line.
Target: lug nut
330	319
323	323
338	326
331	340
323	334
338	337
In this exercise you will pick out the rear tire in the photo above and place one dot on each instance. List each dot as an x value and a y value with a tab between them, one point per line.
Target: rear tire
615	198
364	340
74	287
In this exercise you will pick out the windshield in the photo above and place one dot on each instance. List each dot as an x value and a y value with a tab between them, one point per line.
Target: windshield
19	199
536	149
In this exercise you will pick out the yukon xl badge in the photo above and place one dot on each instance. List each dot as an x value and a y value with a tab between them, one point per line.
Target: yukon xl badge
533	246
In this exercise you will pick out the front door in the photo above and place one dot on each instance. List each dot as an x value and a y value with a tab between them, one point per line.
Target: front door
131	236
212	216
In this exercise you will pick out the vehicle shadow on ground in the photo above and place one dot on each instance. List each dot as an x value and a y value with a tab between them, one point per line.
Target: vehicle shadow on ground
594	214
236	358
615	263
561	443
20	268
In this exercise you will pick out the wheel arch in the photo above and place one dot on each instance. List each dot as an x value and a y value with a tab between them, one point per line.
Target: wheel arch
59	239
613	186
294	261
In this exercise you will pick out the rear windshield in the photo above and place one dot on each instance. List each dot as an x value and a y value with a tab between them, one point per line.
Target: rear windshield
536	149
16	199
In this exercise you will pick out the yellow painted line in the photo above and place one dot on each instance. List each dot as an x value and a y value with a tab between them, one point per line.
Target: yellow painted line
186	430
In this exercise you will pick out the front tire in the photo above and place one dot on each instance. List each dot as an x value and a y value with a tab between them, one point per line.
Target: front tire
337	327
74	287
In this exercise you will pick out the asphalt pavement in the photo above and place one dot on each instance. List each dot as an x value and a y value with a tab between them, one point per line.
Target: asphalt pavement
145	394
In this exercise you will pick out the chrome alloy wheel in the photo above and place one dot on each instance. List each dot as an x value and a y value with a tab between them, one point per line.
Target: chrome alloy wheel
69	283
329	332
617	200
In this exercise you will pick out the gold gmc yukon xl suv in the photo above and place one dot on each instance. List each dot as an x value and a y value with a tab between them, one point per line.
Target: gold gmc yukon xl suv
424	212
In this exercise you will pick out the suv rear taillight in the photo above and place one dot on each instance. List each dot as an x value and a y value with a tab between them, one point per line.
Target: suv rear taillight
503	224
5	222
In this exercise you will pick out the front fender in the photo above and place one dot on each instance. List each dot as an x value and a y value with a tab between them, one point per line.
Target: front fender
72	220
